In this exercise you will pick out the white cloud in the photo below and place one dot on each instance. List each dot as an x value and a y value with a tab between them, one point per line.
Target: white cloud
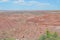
21	0
18	1
38	3
4	0
30	3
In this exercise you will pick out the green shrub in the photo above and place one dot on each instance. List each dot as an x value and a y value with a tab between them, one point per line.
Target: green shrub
49	36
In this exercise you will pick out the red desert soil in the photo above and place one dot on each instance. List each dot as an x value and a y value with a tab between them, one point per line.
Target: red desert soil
28	26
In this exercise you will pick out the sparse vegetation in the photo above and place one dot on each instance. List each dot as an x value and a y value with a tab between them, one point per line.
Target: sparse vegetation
5	36
8	39
49	36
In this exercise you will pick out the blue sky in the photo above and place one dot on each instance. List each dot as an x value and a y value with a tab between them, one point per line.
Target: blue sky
29	4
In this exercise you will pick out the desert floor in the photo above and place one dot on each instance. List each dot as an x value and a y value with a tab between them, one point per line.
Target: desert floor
28	25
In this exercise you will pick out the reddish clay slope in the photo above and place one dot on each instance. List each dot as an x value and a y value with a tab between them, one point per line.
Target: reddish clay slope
29	27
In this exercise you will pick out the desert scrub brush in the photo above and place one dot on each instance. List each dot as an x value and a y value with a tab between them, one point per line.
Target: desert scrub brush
49	36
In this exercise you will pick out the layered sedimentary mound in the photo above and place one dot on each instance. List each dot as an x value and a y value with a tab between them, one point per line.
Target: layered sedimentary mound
28	26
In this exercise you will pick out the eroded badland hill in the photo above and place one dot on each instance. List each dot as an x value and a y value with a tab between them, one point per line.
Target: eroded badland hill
28	25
